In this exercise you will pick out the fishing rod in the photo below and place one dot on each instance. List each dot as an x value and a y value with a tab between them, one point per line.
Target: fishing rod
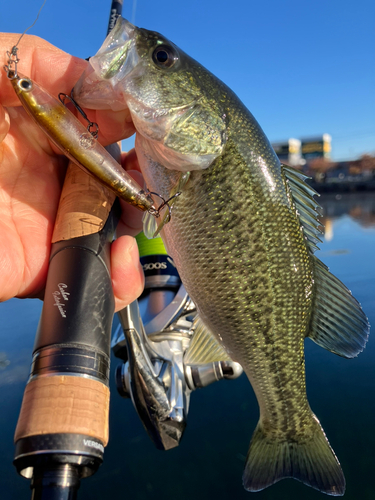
116	11
63	424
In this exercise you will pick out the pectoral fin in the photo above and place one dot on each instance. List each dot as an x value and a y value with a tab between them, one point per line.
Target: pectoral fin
150	226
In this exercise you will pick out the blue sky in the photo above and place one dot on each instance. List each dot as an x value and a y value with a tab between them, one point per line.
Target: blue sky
302	68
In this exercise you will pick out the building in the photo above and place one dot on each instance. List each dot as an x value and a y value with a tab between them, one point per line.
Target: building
298	152
316	147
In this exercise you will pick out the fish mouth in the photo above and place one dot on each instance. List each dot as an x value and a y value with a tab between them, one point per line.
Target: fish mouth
117	57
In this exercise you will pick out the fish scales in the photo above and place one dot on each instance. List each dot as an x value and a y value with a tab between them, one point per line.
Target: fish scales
243	252
196	232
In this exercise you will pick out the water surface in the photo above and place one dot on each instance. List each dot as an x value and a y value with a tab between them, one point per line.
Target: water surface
209	462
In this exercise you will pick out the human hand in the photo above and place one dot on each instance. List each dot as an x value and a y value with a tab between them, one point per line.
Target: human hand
32	172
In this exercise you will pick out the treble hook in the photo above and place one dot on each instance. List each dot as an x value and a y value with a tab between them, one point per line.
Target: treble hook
62	98
165	203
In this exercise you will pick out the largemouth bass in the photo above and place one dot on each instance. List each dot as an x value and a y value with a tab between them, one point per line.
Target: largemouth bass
242	234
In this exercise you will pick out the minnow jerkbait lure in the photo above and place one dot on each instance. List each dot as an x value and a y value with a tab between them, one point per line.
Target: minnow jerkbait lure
76	142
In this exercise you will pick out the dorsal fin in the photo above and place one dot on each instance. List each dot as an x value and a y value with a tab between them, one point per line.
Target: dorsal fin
204	348
307	207
337	321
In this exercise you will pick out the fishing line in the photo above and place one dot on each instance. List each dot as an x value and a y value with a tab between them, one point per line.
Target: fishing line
12	55
134	10
27	29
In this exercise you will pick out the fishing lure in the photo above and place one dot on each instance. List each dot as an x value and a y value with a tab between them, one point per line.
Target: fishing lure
74	140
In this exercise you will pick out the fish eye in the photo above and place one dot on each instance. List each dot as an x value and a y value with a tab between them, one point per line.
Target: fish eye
164	56
25	84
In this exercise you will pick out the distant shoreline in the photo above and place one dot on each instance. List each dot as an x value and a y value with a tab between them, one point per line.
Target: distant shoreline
342	186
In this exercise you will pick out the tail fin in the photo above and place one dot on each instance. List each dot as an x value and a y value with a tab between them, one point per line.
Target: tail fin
313	462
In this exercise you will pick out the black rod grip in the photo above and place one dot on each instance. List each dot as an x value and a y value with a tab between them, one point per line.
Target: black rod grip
78	302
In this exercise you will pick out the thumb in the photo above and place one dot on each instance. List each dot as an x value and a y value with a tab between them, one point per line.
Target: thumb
4	123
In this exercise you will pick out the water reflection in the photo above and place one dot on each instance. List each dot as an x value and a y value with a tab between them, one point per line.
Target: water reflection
4	361
359	206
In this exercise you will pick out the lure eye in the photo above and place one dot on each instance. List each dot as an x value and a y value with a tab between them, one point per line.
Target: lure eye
25	84
164	56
